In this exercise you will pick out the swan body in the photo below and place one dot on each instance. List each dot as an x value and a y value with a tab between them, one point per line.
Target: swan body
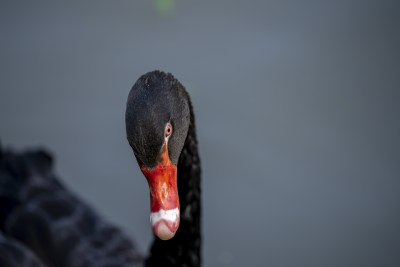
58	227
14	254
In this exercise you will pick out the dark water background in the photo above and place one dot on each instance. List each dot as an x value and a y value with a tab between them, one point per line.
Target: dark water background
297	107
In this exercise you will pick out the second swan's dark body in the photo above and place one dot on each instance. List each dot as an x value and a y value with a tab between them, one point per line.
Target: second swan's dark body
39	212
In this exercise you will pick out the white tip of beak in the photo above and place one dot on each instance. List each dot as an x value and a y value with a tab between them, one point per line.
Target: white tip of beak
163	231
165	223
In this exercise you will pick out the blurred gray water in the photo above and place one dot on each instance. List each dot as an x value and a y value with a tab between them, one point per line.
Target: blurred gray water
297	107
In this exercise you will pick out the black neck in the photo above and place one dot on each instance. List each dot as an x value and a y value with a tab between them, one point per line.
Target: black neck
184	248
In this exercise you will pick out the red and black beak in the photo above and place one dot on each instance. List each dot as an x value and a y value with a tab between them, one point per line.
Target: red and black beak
164	199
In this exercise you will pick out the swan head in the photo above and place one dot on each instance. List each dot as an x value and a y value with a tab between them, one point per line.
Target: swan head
157	121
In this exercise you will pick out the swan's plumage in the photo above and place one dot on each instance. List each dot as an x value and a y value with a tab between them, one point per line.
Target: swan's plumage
38	211
14	254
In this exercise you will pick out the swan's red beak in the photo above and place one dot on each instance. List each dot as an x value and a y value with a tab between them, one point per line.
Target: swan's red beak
164	199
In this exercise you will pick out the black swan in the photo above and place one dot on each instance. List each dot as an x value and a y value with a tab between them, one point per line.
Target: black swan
37	210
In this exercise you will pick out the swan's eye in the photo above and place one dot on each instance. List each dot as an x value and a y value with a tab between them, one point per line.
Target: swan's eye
168	130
